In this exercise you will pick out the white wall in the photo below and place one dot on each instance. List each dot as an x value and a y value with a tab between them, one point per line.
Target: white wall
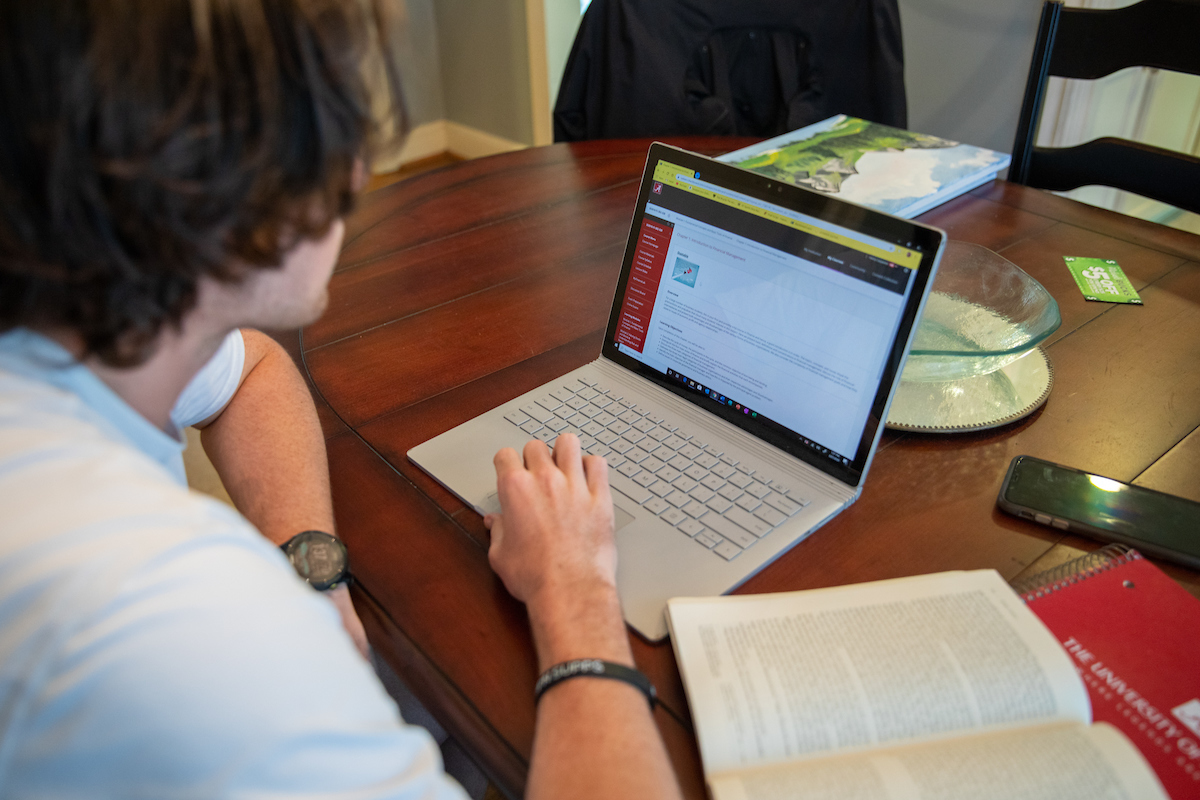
966	62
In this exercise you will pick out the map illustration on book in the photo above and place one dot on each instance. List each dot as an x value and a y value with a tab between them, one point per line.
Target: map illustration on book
889	169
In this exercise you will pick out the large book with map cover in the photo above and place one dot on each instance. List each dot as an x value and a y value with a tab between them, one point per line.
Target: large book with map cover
892	170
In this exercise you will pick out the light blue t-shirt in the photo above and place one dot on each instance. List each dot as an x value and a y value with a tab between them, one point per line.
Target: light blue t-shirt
152	643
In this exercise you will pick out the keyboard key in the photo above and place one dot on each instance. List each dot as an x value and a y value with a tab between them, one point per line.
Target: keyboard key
656	505
718	504
696	472
733	462
644	425
673	441
568	413
707	539
600	389
644	478
641	411
758	490
517	417
698	509
591	428
562	394
601	402
727	551
679	462
608	437
724	470
637	454
771	516
691	527
702	493
599	450
661	488
748	521
537	412
638	494
589	393
698	443
655	418
730	492
659	434
617	427
684	483
577	402
678	499
586	443
688	451
629	469
668	473
585	380
781	503
798	498
548	403
673	516
652	464
531	427
741	480
590	411
748	502
557	424
713	482
615	461
712	451
629	416
621	446
729	530
745	469
707	461
546	435
633	436
604	419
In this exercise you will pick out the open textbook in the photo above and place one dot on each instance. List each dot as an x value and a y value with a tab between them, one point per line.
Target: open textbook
937	686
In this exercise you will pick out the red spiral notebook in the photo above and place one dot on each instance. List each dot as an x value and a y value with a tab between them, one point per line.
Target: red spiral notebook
1134	636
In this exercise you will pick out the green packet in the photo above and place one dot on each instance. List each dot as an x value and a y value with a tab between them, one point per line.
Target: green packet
1102	280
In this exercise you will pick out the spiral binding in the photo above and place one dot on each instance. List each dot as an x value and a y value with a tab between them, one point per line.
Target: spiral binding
1045	583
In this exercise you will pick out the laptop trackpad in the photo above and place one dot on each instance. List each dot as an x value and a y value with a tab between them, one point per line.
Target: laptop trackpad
491	505
621	517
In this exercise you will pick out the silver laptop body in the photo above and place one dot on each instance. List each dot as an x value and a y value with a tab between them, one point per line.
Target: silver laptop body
755	340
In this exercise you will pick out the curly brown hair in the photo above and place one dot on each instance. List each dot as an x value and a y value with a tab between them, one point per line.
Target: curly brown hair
147	143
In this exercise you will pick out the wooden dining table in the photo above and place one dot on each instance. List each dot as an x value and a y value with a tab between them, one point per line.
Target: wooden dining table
465	287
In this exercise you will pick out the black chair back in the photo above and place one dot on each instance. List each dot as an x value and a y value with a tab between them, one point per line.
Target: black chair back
729	67
1089	44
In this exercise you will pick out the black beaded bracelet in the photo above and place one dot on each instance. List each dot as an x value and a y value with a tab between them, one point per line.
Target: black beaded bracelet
595	668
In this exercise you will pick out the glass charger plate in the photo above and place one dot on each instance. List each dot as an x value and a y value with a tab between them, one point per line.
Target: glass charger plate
974	403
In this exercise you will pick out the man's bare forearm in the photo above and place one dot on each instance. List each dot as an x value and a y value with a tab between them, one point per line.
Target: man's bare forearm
268	447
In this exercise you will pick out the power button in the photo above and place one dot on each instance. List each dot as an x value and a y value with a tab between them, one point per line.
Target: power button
1044	519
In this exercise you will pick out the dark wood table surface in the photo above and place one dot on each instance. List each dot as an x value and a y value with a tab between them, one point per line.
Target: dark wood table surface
465	287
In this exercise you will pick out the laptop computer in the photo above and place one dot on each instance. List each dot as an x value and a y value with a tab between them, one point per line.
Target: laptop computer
754	344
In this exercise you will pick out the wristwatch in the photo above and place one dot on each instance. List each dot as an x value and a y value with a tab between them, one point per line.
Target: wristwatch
319	558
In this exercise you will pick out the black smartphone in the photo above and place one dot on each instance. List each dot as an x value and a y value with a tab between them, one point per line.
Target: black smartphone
1072	500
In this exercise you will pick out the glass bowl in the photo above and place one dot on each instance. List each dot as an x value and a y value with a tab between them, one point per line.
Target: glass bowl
984	313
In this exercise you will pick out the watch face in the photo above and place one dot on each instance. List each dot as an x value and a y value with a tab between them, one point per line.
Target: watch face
318	558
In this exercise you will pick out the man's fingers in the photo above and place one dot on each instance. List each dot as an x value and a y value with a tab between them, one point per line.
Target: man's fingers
596	470
536	454
567	455
506	461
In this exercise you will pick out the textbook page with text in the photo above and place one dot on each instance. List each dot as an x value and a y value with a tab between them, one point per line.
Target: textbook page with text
905	688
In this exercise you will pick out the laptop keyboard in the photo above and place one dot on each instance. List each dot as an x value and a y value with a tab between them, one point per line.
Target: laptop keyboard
723	505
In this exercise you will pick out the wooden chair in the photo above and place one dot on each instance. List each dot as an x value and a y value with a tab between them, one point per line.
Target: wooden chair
1089	44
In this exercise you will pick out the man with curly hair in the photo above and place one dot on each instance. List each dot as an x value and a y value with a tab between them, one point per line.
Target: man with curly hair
173	175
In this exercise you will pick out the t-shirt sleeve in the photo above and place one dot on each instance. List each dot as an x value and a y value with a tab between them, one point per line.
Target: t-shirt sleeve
214	385
214	672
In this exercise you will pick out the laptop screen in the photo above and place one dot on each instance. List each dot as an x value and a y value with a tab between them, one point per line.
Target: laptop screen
779	309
